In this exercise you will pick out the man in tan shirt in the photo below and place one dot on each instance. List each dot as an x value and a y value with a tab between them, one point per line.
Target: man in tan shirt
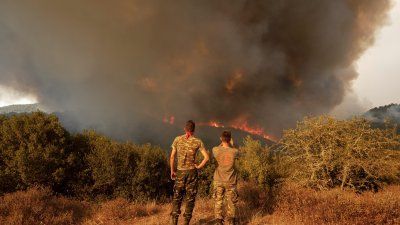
225	179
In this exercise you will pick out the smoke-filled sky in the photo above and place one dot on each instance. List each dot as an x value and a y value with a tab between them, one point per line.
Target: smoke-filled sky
119	65
379	67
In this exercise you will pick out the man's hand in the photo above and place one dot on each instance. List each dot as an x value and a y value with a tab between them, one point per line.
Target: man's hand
173	175
205	160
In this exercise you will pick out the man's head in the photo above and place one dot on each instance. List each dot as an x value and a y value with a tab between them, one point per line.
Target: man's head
190	126
226	136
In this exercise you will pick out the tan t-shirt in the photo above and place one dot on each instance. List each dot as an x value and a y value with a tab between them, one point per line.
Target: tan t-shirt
186	150
225	172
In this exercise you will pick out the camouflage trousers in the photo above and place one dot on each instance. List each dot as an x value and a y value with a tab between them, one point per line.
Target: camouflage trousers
185	185
227	192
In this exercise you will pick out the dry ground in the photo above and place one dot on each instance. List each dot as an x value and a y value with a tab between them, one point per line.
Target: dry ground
291	206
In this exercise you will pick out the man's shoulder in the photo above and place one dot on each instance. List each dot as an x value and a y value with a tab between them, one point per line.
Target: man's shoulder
216	148
179	137
198	140
232	150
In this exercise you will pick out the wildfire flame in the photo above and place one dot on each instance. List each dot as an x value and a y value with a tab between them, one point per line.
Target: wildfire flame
242	125
252	130
239	124
212	124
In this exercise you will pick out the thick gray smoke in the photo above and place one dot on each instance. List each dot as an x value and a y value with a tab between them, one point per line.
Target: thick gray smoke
119	65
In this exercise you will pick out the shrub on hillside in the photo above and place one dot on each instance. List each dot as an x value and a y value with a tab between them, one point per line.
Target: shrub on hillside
323	152
257	163
33	150
151	178
36	150
205	176
136	172
79	180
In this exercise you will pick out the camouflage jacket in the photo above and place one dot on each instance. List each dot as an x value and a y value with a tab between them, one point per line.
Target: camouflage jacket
186	150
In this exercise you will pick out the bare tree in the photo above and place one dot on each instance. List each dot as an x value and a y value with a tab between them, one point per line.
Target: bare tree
323	152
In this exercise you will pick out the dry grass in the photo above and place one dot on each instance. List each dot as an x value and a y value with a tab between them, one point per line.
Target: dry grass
304	206
291	206
120	211
39	206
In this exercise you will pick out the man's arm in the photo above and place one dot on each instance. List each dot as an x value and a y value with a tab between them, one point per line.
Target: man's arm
206	157
172	163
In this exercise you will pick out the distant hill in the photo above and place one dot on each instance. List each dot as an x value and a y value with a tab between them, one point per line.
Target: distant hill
380	115
377	116
151	131
27	108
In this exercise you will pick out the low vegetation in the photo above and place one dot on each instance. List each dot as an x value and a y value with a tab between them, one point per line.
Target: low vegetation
294	205
35	150
324	171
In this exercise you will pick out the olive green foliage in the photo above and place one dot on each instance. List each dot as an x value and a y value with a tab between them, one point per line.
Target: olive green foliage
126	170
323	153
33	151
258	163
36	150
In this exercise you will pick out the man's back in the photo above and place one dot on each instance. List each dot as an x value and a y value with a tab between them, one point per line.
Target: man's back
186	151
185	148
225	171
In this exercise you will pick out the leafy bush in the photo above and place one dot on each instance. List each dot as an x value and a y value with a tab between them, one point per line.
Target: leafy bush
257	163
33	151
36	150
323	152
135	172
151	178
205	176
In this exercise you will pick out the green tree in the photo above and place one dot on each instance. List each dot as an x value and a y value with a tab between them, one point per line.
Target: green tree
151	177
136	172
257	163
33	150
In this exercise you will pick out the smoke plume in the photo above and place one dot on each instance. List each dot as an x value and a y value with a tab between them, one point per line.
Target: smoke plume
119	65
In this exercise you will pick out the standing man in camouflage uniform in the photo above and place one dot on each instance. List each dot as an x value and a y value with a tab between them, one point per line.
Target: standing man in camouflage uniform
225	179
185	147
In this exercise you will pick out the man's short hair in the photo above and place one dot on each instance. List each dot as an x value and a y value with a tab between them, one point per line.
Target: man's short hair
190	126
226	136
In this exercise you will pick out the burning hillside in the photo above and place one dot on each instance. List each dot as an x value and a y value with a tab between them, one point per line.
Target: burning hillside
240	124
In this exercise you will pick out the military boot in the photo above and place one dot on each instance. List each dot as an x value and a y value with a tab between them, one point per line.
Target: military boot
174	220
